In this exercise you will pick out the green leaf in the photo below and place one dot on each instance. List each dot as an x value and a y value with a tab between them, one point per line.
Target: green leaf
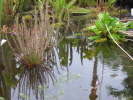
101	40
78	10
115	36
70	4
100	24
113	22
94	37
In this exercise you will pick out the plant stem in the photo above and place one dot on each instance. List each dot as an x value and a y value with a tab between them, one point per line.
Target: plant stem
118	44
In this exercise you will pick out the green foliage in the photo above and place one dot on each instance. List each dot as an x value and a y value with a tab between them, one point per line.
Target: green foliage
1	6
78	10
60	7
114	26
106	49
111	3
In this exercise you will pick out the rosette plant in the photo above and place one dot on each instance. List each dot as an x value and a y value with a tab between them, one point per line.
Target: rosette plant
114	25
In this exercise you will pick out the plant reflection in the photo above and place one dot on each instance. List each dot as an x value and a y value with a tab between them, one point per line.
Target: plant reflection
22	78
7	72
114	58
127	83
94	82
67	45
127	92
31	78
3	87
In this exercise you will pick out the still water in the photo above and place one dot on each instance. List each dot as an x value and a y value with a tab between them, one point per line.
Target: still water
83	76
85	71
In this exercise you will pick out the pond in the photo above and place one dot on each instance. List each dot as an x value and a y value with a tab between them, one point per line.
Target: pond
82	70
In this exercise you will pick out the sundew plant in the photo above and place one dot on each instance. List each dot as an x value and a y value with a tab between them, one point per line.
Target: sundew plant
33	39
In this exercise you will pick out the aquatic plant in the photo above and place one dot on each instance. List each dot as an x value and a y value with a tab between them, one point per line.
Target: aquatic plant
32	41
61	7
118	44
113	24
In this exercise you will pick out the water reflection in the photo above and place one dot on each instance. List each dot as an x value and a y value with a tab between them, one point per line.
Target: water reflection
7	72
110	56
79	43
65	49
127	91
3	88
31	78
94	83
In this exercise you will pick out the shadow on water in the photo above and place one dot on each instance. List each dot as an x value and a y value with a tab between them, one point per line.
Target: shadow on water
107	73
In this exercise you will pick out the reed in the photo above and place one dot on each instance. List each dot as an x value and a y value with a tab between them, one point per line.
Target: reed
31	42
